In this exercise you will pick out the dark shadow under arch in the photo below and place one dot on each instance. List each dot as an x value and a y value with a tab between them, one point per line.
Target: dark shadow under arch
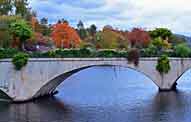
50	87
4	96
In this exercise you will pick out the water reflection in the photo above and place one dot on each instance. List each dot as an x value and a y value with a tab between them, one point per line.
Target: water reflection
101	94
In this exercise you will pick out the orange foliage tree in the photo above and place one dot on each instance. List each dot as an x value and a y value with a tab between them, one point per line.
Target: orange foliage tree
64	36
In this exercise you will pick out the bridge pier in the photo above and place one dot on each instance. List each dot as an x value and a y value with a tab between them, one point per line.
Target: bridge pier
173	88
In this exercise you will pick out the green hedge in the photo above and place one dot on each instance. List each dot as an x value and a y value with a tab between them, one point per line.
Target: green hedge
79	53
8	53
111	53
179	51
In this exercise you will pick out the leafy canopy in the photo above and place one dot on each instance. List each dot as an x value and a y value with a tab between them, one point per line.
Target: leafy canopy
182	50
164	33
21	30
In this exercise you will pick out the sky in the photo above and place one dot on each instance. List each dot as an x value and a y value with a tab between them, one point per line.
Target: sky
121	14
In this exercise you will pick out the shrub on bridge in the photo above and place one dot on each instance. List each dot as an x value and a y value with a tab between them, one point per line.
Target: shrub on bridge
163	64
182	50
133	56
20	60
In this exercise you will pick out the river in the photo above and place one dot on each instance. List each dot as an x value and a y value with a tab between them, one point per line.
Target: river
106	94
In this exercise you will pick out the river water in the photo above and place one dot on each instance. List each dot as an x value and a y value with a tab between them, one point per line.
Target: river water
106	94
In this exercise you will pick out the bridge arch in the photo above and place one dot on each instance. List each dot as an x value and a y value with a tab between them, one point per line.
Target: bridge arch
49	87
183	72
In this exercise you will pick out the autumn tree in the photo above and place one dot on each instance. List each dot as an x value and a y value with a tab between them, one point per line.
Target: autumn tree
110	39
139	37
64	36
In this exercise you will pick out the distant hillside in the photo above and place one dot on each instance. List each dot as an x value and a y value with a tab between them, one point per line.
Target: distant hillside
187	39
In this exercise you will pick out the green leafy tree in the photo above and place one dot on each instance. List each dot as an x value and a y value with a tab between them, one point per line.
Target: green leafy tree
158	42
164	33
182	50
161	44
5	36
22	31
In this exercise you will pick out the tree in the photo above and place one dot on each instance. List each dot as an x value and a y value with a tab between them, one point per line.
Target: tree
161	45
182	50
64	36
109	39
21	7
41	27
138	37
5	36
44	21
92	30
150	51
5	7
81	30
80	25
164	33
20	31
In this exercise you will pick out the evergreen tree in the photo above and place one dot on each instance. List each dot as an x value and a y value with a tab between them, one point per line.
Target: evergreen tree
44	21
81	30
93	29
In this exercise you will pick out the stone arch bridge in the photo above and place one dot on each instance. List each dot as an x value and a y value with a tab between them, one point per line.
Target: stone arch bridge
41	76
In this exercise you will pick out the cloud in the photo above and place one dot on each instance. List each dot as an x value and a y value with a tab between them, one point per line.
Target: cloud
123	14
